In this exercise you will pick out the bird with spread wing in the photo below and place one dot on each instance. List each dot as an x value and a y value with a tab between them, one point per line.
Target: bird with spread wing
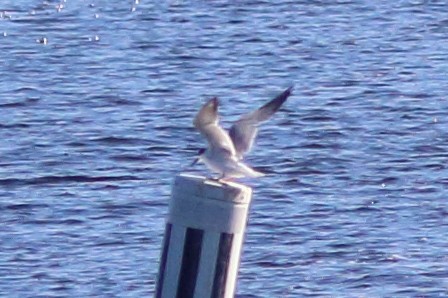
225	151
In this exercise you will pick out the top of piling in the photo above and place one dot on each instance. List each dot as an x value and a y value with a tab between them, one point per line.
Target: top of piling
212	189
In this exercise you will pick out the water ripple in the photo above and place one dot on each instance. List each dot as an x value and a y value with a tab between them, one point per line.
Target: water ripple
97	103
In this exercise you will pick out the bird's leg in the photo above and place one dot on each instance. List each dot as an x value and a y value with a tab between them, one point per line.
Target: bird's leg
217	179
222	179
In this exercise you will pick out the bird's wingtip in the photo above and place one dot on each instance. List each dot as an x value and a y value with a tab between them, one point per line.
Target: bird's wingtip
290	89
213	102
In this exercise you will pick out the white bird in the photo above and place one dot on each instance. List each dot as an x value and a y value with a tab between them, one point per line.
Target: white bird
226	150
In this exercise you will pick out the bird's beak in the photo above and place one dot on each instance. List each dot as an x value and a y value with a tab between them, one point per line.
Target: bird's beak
195	161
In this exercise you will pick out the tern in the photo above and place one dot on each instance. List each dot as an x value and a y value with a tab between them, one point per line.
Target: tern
225	151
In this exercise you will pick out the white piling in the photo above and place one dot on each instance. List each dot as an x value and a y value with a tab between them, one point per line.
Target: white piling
203	238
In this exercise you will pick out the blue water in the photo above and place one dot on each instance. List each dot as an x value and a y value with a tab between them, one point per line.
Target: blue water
96	104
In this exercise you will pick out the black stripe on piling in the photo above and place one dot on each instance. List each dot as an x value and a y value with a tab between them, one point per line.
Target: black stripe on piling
222	265
166	243
190	263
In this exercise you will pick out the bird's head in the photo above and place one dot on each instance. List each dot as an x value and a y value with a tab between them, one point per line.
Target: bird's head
198	156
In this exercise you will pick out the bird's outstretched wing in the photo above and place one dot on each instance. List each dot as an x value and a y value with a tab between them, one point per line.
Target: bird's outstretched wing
207	123
244	131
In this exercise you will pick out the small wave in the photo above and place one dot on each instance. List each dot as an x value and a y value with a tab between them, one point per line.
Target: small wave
313	146
16	125
128	157
117	140
125	102
25	206
156	90
19	104
69	222
109	243
76	144
318	119
63	179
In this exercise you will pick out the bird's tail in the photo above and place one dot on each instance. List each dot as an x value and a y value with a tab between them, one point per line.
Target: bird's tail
249	172
257	174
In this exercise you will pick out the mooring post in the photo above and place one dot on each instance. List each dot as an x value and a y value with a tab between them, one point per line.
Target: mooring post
203	238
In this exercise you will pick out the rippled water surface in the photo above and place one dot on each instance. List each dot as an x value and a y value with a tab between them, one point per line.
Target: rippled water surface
96	103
